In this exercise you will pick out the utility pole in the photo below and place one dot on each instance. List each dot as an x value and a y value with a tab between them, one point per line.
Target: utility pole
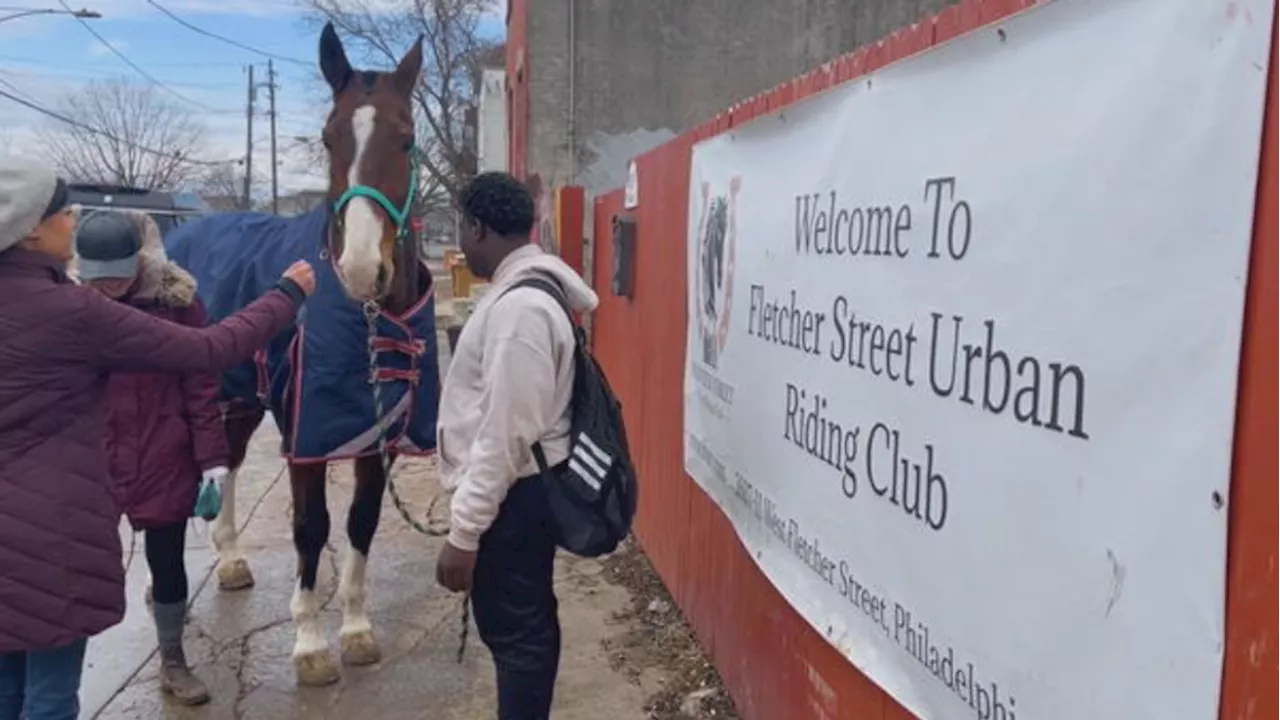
275	186
248	146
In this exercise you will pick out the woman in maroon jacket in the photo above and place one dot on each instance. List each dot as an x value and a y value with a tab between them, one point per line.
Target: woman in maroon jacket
164	430
61	575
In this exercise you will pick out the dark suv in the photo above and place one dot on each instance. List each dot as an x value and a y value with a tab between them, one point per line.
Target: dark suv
167	209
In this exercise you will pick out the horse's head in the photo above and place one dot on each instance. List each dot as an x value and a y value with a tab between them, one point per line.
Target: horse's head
372	174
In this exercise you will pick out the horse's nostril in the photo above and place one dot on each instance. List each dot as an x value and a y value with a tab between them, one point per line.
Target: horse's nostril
381	282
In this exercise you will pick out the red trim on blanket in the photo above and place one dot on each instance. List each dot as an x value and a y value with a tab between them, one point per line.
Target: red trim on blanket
415	351
264	380
295	357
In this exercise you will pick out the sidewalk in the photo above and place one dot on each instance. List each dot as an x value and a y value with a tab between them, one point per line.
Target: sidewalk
240	642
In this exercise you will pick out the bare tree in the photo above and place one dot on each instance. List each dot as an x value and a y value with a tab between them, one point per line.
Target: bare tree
125	134
308	152
222	187
378	32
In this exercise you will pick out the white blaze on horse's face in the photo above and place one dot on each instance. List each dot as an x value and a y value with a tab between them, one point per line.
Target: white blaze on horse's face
361	265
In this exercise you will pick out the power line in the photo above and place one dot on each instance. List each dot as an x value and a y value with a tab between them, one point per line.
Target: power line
51	69
132	64
168	64
227	40
109	136
4	81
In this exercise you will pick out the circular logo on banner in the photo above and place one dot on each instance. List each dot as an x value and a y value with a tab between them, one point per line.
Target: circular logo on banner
717	246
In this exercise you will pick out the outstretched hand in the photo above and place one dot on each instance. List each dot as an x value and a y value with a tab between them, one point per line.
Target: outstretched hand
303	275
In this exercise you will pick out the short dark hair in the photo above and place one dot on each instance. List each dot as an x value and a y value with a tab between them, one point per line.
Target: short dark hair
500	202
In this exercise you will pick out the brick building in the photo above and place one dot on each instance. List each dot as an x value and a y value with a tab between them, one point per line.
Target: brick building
592	83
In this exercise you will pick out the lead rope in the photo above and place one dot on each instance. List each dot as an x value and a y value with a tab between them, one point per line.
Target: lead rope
371	311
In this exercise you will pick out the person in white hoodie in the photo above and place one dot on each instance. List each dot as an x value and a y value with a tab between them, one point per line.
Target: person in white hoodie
509	386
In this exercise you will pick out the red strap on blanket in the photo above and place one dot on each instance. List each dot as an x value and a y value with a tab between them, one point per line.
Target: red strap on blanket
392	374
414	348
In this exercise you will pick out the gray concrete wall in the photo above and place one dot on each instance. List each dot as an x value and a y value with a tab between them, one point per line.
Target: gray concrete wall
645	70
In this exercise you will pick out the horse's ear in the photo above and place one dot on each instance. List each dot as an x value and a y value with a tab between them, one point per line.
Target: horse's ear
405	76
333	60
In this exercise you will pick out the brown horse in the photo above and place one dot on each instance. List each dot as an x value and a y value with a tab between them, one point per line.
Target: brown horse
369	137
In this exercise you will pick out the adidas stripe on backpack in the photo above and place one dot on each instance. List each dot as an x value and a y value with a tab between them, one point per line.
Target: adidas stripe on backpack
593	493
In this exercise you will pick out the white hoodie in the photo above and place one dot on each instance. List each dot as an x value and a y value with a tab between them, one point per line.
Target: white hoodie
508	386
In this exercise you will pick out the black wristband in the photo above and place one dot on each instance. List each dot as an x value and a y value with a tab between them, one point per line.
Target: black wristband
293	290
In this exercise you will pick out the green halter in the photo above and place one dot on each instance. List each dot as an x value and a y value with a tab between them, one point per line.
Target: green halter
400	216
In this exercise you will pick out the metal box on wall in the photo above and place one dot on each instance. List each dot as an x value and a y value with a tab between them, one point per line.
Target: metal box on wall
624	254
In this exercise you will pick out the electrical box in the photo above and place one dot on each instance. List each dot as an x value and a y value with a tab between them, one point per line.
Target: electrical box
624	255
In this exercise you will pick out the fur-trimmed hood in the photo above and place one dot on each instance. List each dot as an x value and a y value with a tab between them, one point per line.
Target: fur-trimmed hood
160	279
168	285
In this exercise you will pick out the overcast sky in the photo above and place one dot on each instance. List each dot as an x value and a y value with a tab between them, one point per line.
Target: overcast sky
43	57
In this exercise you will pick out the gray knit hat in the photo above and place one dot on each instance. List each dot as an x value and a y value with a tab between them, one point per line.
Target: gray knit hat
28	191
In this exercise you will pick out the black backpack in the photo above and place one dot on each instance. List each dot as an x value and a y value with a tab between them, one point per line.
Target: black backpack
592	494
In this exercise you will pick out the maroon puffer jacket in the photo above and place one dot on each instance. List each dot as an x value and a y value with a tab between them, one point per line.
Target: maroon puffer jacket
163	429
61	571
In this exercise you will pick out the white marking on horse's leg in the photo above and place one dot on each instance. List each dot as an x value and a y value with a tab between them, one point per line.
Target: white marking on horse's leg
351	589
362	230
358	645
310	651
233	569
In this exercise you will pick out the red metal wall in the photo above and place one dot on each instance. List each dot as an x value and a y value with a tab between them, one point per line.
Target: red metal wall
774	664
570	214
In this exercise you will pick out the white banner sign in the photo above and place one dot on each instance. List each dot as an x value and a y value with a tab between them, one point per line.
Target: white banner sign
962	356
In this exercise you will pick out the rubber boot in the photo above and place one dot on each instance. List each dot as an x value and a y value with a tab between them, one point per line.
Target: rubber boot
175	677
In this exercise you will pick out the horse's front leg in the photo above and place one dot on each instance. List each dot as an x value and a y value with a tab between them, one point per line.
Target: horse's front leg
233	568
311	659
358	644
240	422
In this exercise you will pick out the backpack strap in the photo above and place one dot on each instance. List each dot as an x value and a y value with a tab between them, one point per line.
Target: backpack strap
548	284
544	282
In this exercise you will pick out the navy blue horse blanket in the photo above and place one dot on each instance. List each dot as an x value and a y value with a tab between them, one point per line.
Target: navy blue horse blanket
316	377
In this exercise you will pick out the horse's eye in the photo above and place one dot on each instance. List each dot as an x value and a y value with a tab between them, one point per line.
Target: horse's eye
327	145
408	145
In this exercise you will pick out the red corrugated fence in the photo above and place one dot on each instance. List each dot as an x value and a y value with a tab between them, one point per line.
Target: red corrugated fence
774	664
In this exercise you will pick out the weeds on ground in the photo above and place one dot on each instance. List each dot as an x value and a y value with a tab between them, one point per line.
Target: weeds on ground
659	638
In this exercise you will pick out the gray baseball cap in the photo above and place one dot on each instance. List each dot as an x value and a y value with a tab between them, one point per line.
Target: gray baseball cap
107	246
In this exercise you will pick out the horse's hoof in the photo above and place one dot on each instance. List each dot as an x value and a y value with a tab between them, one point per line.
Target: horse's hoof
315	669
360	649
234	575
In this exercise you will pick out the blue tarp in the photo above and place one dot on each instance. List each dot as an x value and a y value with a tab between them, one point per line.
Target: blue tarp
316	377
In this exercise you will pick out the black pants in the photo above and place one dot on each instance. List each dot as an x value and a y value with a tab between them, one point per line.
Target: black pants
166	547
515	603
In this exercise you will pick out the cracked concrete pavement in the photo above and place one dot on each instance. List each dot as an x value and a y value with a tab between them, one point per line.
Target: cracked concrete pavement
240	642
